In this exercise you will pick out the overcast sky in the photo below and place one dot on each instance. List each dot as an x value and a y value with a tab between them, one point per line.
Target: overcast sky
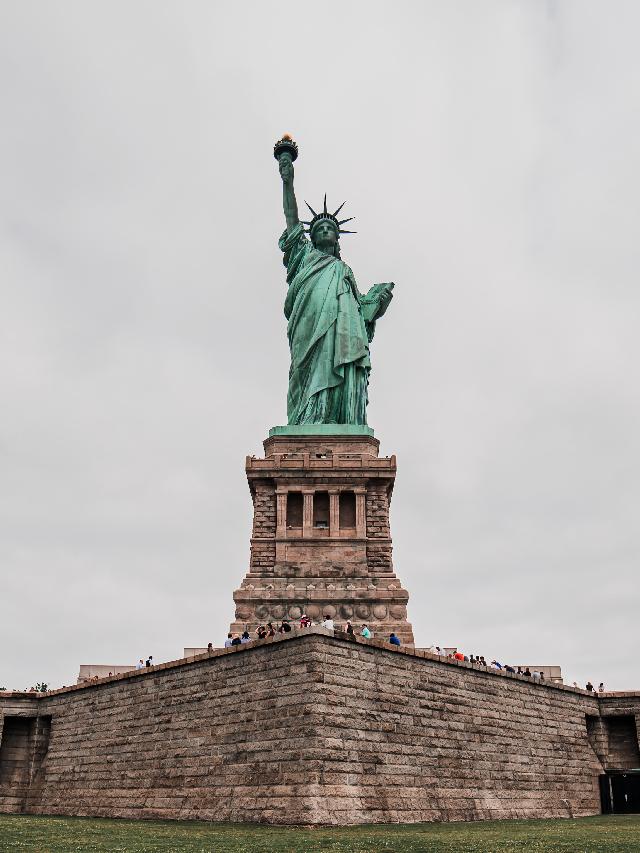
490	154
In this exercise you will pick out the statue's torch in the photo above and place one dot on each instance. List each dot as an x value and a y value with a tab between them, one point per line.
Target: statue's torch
286	145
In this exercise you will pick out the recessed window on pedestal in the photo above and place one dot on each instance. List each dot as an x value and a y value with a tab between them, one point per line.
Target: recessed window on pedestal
294	509
347	510
321	510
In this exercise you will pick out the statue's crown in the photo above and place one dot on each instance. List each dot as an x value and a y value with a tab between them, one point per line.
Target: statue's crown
329	217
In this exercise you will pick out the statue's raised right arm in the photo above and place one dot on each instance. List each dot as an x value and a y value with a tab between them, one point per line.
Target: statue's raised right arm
289	202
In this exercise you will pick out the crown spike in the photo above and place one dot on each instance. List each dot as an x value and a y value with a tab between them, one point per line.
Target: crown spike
326	216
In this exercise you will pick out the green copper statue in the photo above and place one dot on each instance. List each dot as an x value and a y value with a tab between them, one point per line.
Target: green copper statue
330	322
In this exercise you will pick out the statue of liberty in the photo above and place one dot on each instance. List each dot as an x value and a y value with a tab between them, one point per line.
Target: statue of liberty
330	323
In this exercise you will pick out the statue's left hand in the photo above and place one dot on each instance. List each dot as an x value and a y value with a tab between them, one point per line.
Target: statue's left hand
386	293
376	301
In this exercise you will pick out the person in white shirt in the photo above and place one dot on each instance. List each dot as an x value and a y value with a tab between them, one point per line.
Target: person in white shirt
140	664
227	642
328	622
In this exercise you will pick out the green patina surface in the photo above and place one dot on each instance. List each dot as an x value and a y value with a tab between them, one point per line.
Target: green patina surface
330	323
321	429
611	834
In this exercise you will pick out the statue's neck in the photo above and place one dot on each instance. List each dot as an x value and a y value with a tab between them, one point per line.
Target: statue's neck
330	252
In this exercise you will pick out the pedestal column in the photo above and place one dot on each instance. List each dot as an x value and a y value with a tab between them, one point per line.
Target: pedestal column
281	512
307	513
334	513
361	513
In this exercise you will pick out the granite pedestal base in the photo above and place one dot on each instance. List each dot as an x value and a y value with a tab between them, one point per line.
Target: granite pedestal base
321	540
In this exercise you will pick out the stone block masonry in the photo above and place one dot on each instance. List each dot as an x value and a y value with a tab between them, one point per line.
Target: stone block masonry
321	539
313	729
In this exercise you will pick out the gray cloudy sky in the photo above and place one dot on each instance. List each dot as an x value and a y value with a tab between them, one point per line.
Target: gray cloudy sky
490	153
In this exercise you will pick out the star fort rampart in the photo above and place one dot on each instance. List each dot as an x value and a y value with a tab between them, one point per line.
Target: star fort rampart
318	725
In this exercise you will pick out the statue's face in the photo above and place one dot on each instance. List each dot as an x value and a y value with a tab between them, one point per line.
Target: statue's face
325	237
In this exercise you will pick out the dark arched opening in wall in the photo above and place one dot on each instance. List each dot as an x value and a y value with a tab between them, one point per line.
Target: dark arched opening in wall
620	792
614	739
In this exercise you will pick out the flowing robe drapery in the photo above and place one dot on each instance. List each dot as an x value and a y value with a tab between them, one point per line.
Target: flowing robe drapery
329	328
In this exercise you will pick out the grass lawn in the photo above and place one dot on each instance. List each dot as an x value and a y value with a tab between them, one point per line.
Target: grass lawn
59	835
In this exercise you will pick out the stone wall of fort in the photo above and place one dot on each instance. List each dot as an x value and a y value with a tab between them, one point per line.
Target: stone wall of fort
310	728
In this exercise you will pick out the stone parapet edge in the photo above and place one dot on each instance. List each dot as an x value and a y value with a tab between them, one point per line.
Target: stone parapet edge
300	634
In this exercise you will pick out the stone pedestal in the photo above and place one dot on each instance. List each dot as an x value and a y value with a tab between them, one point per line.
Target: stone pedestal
321	542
